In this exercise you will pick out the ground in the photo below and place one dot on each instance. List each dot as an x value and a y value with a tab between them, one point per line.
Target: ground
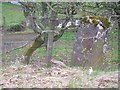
37	76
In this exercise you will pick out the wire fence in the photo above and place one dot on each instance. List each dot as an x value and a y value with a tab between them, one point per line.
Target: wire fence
62	49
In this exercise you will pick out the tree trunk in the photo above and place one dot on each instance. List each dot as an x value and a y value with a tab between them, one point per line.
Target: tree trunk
50	39
49	48
29	50
45	20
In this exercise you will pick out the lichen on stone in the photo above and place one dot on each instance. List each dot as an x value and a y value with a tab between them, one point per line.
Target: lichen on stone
96	20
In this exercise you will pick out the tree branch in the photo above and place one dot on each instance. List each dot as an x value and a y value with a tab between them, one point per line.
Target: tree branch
23	45
50	7
90	12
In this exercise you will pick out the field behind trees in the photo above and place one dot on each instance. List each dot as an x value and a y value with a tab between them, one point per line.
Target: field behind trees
36	74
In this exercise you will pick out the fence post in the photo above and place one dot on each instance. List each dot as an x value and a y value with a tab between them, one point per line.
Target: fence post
50	38
4	21
49	48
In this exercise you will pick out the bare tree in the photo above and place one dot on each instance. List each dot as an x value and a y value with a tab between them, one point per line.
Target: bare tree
41	27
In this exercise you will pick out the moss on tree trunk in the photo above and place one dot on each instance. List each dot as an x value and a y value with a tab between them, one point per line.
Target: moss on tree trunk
30	49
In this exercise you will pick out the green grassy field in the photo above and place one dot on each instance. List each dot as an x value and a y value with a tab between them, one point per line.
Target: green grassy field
61	47
13	14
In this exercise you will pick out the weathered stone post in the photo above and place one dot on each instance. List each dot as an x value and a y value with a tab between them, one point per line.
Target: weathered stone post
89	47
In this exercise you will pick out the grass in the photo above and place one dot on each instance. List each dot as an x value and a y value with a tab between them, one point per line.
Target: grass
112	54
86	81
75	82
68	36
0	13
41	51
12	13
63	47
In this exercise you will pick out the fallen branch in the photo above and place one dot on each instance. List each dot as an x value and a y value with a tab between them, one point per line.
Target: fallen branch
58	63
